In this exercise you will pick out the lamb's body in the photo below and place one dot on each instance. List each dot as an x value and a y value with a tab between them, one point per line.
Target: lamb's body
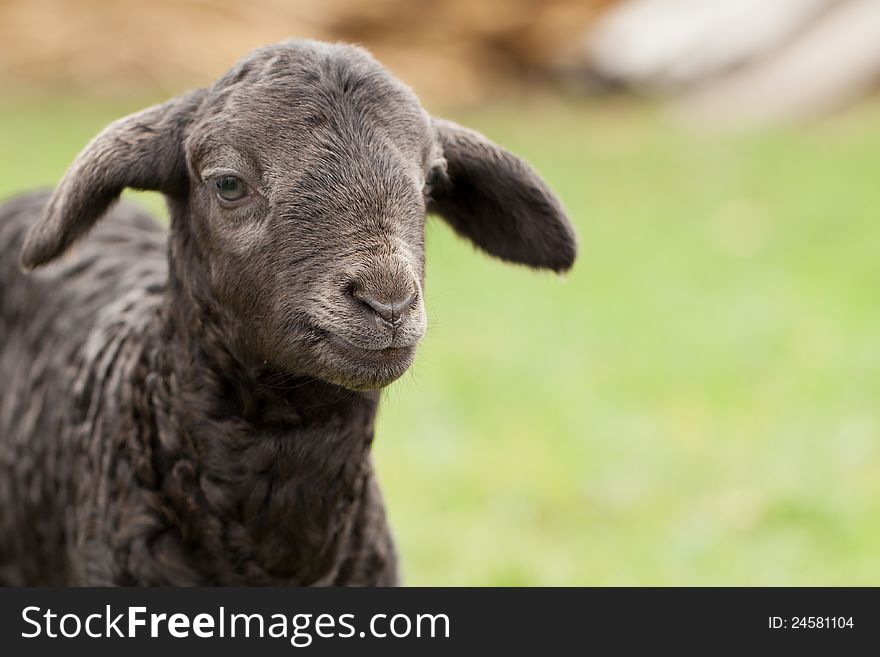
135	449
189	407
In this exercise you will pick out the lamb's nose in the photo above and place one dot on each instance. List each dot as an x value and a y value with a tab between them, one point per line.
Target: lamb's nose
391	309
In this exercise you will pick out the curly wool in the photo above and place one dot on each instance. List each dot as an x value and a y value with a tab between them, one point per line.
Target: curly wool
209	461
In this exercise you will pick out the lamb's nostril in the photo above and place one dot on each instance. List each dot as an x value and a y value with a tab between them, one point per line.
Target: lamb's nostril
390	310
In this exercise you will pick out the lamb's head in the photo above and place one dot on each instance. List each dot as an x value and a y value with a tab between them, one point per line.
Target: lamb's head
299	184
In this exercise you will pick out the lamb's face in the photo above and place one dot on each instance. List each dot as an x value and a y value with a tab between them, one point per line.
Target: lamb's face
307	197
299	183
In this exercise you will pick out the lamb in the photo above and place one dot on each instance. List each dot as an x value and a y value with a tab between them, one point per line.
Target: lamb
195	406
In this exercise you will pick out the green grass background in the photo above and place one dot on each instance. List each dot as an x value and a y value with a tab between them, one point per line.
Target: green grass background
696	403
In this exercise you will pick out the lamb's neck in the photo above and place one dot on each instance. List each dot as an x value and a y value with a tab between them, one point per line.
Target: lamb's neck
281	462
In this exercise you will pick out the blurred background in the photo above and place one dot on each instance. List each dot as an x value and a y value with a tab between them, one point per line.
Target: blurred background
697	401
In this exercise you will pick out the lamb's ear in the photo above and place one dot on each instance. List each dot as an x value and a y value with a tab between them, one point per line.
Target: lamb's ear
143	151
499	202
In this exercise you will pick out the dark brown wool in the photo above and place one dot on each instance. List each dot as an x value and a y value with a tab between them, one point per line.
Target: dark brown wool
196	406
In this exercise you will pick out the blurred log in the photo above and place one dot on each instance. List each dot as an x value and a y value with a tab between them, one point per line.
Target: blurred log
828	67
664	45
452	50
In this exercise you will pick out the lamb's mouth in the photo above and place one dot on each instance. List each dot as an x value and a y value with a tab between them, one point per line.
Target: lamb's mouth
368	368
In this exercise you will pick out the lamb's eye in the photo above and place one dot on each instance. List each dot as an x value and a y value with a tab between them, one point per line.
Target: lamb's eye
231	188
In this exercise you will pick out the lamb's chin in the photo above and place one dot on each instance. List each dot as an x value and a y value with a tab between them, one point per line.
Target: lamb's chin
356	368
